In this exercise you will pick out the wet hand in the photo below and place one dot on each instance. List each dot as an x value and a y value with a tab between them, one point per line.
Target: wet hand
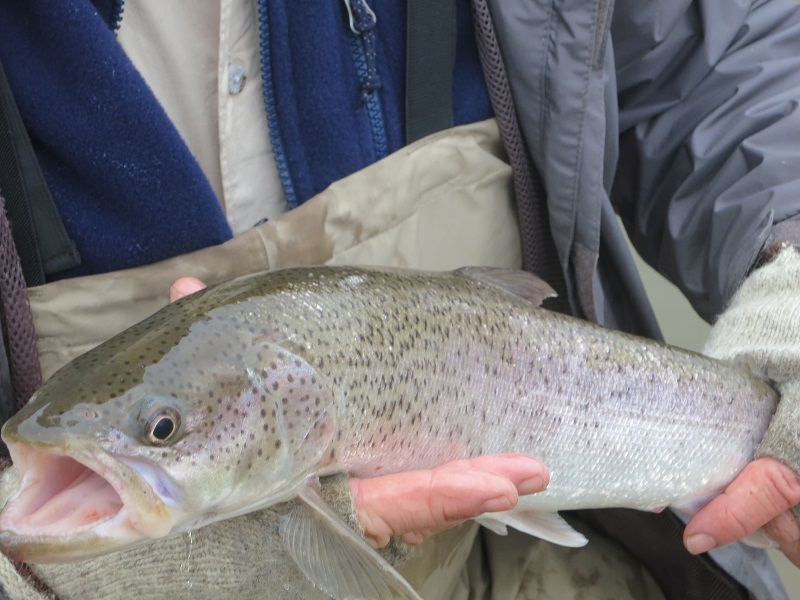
185	286
761	496
417	504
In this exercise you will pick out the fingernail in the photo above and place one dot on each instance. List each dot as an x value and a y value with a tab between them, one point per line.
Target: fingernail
699	543
497	504
531	486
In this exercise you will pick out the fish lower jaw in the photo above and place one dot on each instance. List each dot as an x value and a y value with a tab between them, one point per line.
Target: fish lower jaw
64	510
65	547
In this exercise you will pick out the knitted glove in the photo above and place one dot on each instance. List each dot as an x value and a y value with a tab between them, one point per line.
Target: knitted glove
761	329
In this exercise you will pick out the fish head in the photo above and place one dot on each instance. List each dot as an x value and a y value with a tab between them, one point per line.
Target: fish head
165	428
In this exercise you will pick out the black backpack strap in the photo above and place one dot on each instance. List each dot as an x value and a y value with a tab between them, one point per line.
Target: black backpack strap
430	57
33	243
42	242
20	374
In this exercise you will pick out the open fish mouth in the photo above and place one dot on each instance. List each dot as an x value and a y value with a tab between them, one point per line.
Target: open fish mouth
60	495
77	505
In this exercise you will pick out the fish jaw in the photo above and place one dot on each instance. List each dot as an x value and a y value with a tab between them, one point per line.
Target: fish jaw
73	505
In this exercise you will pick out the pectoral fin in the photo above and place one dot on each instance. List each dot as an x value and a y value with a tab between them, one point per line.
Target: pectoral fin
548	526
334	558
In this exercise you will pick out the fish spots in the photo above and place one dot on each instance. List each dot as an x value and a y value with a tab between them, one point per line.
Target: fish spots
416	360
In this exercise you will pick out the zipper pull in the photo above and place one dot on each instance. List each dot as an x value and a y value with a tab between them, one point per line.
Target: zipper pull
362	17
362	24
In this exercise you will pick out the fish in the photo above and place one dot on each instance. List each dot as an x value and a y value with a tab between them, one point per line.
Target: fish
243	395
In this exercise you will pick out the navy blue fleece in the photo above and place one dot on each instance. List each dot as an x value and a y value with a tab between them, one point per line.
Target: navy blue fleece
127	187
322	121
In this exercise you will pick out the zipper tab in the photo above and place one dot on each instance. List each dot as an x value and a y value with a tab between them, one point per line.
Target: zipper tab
363	43
362	17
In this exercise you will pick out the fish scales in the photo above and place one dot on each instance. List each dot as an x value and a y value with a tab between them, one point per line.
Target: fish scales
514	378
271	379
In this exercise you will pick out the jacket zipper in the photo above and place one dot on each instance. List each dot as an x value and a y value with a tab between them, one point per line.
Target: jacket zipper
116	14
269	103
362	44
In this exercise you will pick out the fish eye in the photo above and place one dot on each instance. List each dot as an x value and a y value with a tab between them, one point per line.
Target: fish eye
163	425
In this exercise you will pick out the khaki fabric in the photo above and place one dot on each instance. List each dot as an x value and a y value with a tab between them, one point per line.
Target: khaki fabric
202	60
525	568
441	203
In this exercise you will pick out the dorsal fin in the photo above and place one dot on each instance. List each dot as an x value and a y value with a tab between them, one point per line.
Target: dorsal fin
520	283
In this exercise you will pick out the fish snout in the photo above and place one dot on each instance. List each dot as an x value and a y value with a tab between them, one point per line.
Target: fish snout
49	427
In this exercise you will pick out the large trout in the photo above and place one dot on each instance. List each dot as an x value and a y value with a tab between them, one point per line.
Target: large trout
242	395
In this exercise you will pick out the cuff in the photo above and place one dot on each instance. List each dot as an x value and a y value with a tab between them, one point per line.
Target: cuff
782	440
335	491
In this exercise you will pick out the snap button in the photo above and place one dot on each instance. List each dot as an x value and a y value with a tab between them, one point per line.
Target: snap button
236	78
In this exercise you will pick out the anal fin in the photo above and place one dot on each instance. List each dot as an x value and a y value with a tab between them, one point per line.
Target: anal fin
548	526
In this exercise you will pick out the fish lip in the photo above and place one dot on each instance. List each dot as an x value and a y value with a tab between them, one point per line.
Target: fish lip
162	485
28	532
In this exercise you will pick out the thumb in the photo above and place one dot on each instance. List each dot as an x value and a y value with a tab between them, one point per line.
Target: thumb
765	489
185	286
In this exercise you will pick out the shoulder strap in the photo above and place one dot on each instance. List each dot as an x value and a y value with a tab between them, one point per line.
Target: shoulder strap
41	240
430	57
539	254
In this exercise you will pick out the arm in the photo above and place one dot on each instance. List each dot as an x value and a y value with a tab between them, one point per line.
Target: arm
761	329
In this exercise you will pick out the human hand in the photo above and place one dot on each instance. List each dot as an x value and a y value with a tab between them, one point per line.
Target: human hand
414	505
184	286
761	329
760	497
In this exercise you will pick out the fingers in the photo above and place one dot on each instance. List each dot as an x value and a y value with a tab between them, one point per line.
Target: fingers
785	530
416	504
184	286
760	496
526	473
792	552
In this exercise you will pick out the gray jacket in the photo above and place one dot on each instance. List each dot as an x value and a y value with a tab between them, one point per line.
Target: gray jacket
680	117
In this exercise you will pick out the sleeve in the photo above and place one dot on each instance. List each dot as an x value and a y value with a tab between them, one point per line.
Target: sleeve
759	330
709	156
